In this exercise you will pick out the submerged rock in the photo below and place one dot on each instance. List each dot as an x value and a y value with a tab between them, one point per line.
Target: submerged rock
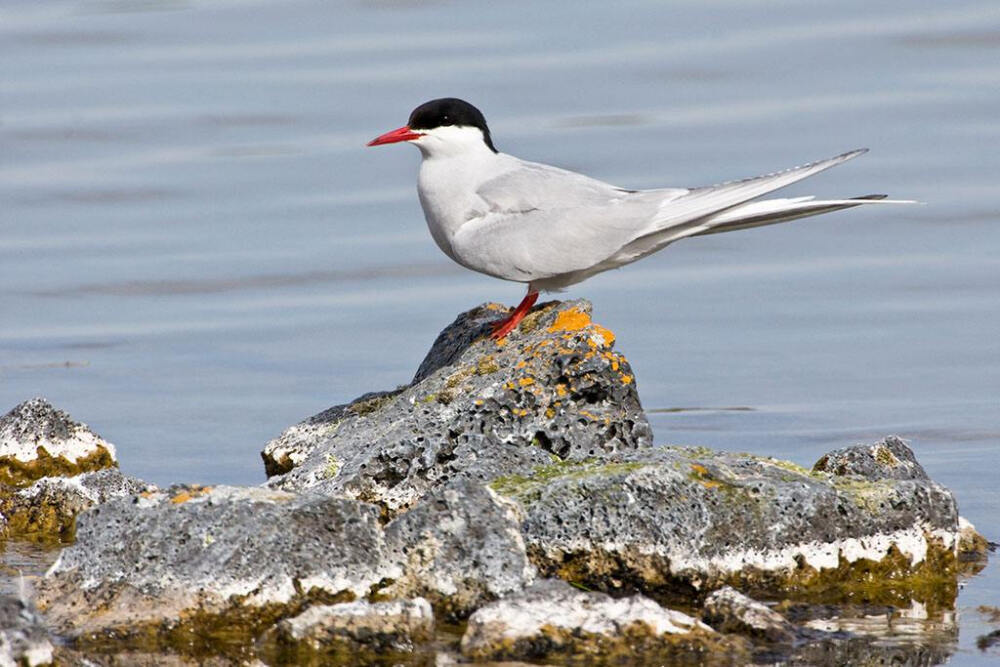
673	522
23	637
36	440
350	632
552	618
553	390
728	610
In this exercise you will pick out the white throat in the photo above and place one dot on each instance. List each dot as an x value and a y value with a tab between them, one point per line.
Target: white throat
450	141
456	162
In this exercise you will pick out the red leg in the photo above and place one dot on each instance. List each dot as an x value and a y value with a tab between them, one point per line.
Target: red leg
507	324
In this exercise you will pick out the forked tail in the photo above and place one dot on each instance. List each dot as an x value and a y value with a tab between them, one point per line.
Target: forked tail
772	211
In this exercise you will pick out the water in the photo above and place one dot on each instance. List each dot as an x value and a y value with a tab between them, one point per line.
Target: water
196	249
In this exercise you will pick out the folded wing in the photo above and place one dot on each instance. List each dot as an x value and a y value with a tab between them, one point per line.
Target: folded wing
556	227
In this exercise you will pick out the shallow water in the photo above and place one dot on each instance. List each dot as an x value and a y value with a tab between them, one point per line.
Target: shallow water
196	249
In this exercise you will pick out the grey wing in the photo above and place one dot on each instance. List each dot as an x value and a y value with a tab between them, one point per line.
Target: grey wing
529	186
688	215
542	221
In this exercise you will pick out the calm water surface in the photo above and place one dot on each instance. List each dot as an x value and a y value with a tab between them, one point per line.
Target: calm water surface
196	248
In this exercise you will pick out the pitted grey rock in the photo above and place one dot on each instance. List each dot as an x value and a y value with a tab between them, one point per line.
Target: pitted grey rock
37	440
461	547
51	504
675	520
553	390
889	458
155	558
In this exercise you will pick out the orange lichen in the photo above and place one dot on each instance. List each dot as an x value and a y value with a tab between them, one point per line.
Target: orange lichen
701	475
187	494
570	320
606	334
626	379
525	381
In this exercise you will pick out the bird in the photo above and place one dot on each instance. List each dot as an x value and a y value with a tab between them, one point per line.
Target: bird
550	228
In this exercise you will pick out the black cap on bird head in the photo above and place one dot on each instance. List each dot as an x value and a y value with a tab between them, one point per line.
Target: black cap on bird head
450	111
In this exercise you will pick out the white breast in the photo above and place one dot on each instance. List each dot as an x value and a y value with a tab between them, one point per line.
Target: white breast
447	186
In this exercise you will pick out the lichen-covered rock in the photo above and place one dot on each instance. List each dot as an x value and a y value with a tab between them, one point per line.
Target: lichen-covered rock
461	547
889	458
728	610
48	508
553	390
23	638
356	632
552	618
36	440
174	568
677	521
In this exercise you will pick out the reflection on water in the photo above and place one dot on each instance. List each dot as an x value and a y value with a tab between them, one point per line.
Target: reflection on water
196	249
23	563
673	410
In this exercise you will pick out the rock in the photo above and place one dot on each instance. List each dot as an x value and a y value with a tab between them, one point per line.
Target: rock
554	390
36	440
48	507
889	458
728	610
676	521
350	632
23	638
972	547
989	643
155	569
552	618
449	496
461	547
293	446
163	568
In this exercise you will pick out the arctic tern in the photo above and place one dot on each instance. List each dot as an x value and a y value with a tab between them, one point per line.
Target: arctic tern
549	227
